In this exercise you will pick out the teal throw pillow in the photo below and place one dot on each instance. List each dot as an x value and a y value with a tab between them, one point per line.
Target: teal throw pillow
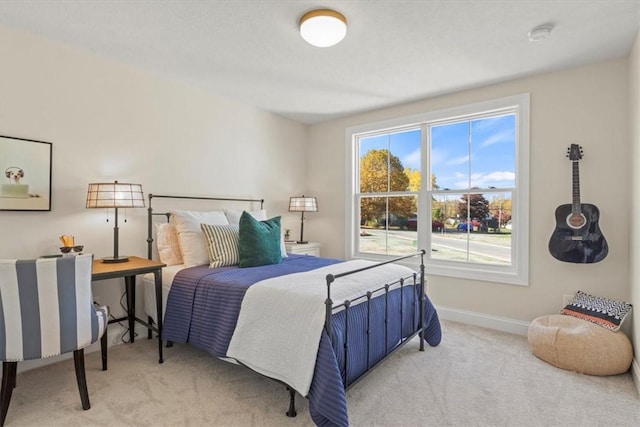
259	241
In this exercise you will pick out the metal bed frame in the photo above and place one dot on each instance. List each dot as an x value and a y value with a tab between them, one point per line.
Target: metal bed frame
419	297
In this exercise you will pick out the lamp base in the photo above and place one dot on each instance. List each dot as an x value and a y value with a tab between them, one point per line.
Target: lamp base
113	260
302	242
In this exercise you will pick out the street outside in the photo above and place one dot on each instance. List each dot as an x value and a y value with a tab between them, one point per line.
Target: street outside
487	248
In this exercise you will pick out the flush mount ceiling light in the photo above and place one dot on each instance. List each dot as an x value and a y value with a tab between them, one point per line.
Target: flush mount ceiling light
541	32
323	27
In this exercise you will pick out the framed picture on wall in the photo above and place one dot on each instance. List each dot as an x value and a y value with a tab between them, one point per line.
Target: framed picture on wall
26	180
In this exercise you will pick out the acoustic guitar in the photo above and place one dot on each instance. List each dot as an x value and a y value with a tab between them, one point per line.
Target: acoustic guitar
577	237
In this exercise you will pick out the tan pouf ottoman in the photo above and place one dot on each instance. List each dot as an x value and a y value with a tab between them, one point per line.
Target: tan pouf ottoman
579	345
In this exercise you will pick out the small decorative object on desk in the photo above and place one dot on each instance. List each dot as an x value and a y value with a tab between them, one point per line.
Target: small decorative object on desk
287	235
69	247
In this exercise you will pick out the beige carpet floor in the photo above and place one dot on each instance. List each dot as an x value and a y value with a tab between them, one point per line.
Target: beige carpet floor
476	377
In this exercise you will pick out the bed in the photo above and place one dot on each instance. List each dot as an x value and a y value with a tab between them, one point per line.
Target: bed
317	325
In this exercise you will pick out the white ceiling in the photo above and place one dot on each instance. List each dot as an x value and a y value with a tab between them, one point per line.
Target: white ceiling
395	51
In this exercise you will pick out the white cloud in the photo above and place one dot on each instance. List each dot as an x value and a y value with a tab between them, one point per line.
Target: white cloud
493	179
437	156
488	122
496	138
412	160
458	161
501	176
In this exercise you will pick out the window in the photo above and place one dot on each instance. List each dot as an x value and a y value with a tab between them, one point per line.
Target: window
388	197
454	182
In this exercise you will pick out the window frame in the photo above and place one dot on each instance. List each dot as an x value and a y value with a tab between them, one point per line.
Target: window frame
518	272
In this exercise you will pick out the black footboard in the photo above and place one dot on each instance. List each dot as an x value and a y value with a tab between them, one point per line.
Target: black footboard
378	308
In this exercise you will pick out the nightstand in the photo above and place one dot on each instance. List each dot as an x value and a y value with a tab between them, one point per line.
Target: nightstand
128	271
311	248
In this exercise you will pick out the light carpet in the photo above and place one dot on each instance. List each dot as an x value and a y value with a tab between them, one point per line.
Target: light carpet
476	377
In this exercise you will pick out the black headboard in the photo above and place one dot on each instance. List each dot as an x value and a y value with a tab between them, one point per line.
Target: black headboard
151	214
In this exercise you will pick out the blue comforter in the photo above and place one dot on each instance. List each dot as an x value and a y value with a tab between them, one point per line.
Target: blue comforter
203	307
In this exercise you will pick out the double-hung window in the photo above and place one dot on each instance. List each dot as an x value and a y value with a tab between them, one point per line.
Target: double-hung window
454	182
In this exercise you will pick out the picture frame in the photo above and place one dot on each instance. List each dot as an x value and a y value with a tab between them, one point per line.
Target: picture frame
25	183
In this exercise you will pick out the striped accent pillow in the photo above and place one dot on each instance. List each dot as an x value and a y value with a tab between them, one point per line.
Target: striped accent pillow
605	312
222	244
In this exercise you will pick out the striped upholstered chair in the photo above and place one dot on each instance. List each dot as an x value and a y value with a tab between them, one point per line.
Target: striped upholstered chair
46	309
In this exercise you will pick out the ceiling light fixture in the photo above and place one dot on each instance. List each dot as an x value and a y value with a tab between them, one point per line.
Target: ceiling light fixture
541	32
323	27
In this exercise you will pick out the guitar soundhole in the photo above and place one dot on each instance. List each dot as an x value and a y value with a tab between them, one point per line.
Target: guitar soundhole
576	221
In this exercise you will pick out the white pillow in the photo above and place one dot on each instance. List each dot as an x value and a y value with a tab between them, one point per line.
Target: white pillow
234	219
168	245
192	241
234	216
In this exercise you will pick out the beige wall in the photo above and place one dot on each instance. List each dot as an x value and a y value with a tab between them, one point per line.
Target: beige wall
109	121
634	116
588	106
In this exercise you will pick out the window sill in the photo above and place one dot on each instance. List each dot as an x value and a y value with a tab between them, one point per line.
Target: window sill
479	272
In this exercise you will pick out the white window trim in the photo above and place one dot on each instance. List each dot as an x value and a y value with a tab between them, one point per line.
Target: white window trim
518	273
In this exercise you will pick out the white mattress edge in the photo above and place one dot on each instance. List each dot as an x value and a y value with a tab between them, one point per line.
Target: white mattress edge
149	289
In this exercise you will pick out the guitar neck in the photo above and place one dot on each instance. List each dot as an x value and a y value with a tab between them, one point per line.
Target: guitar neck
575	206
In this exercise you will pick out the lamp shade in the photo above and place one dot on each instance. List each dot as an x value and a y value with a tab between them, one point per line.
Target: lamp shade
323	27
115	195
303	204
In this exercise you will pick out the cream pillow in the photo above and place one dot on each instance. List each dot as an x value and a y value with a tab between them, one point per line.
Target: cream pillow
192	241
222	243
168	245
234	218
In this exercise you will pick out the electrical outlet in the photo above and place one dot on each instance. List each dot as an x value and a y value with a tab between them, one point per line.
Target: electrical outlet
120	331
566	300
115	333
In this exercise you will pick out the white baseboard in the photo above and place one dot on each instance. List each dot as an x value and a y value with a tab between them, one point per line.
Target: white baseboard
503	324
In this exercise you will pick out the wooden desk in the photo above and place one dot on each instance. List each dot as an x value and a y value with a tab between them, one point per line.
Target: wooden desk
128	271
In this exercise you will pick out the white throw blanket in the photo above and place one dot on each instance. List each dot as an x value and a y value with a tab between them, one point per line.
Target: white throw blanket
281	319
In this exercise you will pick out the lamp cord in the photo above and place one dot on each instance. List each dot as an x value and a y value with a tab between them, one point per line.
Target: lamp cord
125	327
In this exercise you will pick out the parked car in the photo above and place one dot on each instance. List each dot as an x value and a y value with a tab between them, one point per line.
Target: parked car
412	225
473	225
437	225
492	223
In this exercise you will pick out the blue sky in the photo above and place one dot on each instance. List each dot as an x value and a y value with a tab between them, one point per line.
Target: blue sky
492	152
